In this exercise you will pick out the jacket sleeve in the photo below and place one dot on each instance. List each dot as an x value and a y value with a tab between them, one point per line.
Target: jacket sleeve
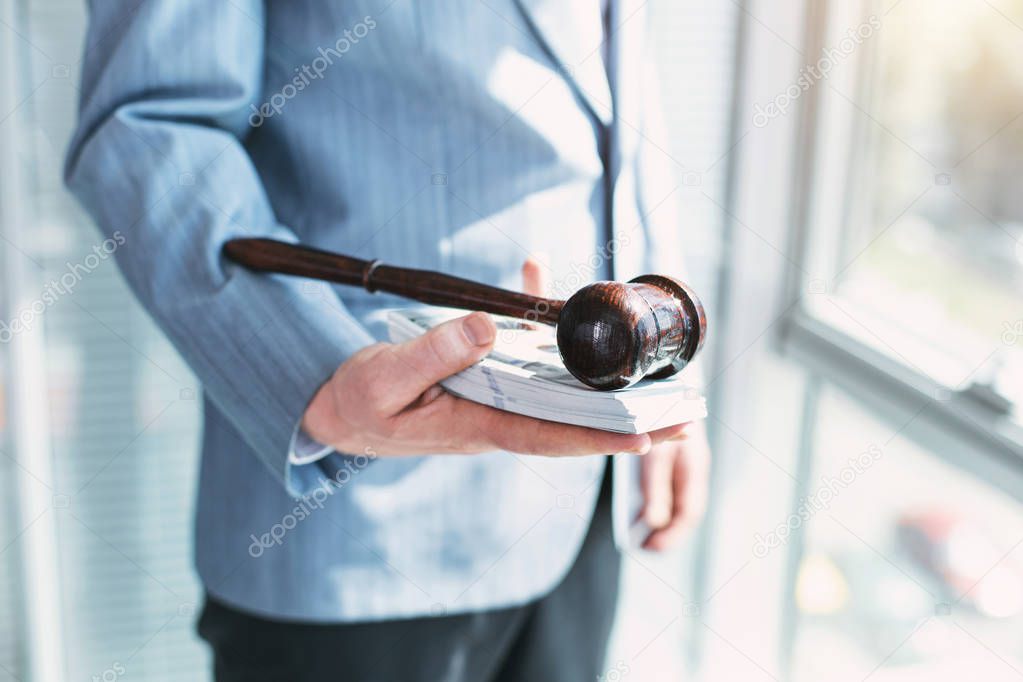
158	162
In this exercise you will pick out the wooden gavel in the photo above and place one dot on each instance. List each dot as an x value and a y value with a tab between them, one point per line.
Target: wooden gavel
610	334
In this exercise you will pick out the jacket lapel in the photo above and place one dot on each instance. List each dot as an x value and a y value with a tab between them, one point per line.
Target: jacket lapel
630	49
571	32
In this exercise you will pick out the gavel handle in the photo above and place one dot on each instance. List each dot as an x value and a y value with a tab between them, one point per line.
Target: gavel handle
434	288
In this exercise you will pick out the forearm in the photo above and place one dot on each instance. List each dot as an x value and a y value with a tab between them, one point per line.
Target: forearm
158	158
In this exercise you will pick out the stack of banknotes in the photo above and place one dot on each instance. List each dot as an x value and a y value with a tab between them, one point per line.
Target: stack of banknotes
524	374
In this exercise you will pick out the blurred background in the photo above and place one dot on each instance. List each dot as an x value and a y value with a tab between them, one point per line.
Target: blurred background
850	176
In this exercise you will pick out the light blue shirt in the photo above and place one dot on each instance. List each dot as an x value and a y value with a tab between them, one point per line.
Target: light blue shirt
457	136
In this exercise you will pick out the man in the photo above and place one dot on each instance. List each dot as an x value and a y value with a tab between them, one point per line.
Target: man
340	534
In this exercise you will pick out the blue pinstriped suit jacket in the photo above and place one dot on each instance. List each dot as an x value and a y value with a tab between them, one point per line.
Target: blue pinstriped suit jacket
457	135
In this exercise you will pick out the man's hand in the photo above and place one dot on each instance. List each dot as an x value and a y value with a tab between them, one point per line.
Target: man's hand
674	482
386	398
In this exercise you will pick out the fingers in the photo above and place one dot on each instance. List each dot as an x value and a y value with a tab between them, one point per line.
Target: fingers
688	503
534	278
669	433
525	435
656	476
691	476
402	372
656	483
468	427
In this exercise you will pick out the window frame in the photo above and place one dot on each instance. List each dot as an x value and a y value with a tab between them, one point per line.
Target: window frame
823	189
777	210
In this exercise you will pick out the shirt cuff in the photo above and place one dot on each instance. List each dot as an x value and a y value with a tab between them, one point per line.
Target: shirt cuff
305	450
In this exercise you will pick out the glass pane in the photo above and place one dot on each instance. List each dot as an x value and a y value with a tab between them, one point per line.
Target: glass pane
932	271
11	629
123	407
912	570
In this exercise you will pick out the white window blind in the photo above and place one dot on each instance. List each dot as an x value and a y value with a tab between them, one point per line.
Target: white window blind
122	409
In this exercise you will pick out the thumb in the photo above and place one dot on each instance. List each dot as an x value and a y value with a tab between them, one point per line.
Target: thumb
414	366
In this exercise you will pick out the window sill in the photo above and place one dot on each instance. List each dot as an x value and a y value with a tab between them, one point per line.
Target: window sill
955	424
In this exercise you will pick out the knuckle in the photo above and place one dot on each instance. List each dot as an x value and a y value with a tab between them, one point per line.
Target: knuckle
465	431
524	442
375	394
387	429
370	353
440	349
497	434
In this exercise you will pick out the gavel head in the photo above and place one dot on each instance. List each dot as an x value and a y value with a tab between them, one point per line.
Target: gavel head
612	334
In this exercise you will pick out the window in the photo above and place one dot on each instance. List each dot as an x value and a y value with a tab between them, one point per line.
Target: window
103	428
907	570
936	253
917	235
908	271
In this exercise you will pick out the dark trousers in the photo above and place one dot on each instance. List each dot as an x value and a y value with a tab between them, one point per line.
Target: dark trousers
561	637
